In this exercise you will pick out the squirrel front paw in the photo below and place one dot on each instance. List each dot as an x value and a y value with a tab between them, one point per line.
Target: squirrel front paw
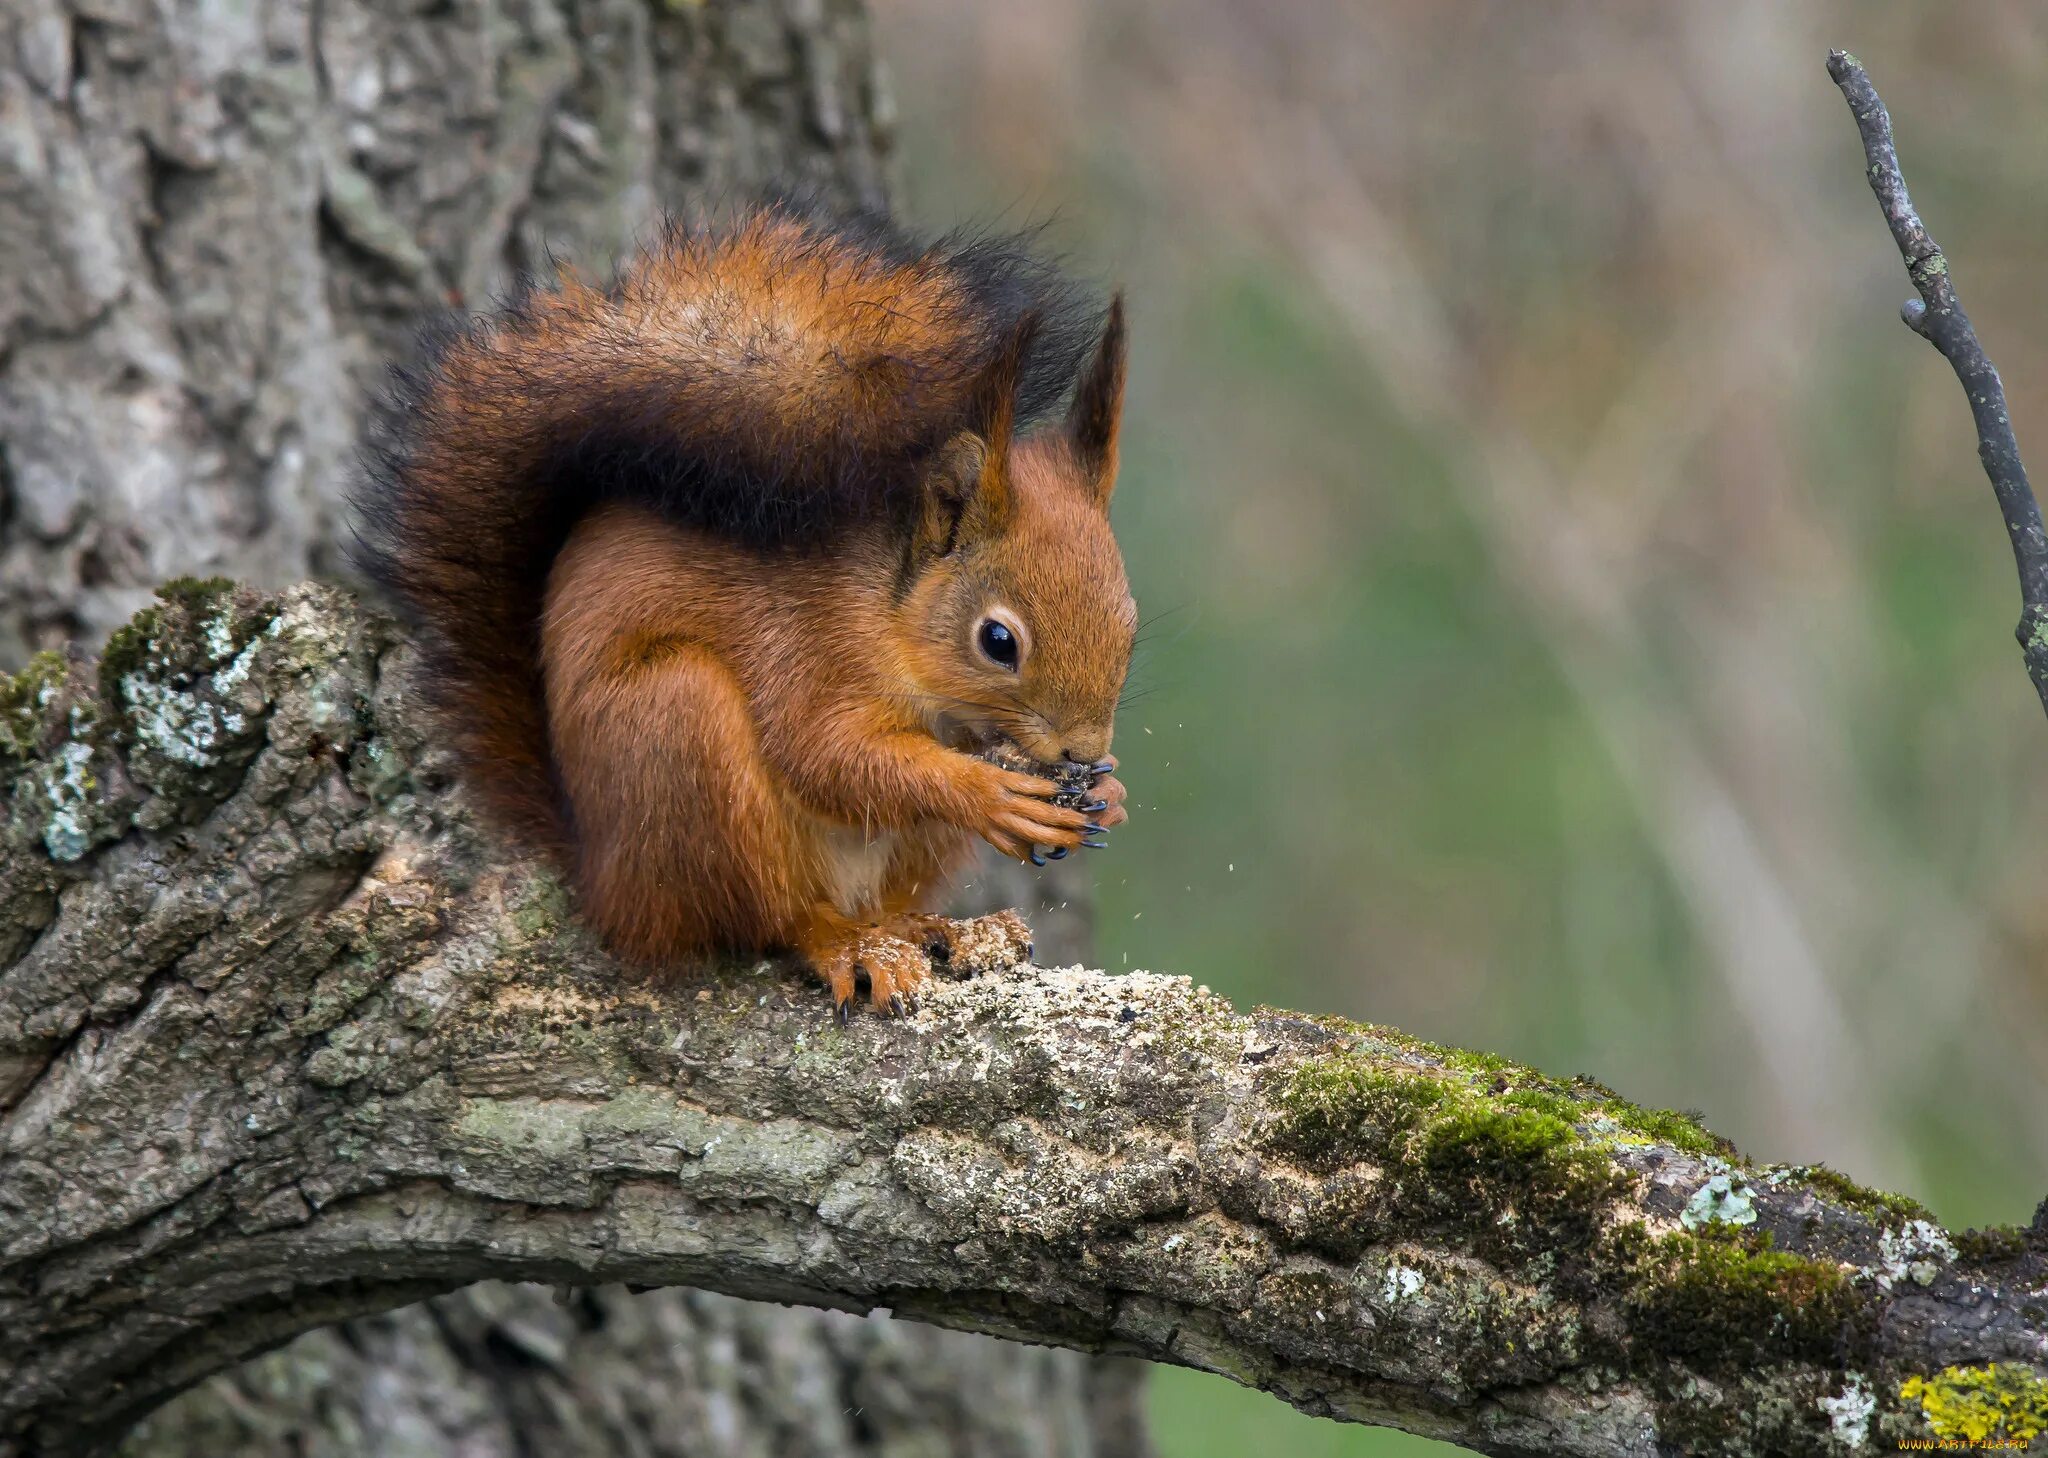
1018	814
1106	795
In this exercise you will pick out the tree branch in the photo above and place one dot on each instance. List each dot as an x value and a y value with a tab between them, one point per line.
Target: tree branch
281	1044
1937	316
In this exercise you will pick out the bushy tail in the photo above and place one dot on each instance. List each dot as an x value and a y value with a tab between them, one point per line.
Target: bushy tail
773	379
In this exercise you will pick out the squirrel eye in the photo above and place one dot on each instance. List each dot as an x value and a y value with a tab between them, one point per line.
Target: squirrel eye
998	643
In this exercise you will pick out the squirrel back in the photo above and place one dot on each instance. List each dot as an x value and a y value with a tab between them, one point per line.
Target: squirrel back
775	380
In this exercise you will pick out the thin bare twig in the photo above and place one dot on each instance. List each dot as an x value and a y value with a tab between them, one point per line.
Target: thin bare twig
1937	316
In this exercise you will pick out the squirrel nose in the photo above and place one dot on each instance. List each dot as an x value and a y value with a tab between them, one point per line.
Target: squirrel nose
1086	751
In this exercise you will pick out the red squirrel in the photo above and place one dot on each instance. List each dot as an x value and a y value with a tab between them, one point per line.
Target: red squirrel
727	570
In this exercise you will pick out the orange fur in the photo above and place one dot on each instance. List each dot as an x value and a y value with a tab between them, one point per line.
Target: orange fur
748	733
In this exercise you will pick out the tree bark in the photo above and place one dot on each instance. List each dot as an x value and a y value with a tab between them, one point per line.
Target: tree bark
281	1043
490	1370
219	221
216	223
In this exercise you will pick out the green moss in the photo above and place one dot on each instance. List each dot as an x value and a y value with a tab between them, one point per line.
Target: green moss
1884	1208
1544	1101
338	992
23	699
204	608
171	683
1323	1097
1345	1107
1463	1060
1515	1166
1997	1243
2000	1402
197	595
1348	1105
1724	1301
1504	1169
1479	1133
1668	1127
126	652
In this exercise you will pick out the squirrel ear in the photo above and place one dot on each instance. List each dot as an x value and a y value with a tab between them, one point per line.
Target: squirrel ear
968	494
1098	406
951	483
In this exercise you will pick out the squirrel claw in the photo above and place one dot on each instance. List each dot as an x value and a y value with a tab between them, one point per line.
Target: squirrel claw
844	1011
1096	844
1037	859
1094	807
896	1005
1057	855
1102	768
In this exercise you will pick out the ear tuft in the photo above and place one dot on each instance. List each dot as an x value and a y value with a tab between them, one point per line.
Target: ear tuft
990	500
995	393
1097	411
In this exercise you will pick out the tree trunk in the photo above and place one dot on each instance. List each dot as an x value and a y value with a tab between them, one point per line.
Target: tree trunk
500	1369
216	223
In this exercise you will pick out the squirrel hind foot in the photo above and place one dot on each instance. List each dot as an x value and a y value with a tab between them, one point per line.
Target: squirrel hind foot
891	962
975	945
871	959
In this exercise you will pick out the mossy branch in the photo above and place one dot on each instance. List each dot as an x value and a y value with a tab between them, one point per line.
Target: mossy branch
282	1043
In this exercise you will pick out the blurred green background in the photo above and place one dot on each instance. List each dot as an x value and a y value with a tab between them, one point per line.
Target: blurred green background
1579	625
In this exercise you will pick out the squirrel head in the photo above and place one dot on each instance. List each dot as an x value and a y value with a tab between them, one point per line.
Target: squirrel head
1016	621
